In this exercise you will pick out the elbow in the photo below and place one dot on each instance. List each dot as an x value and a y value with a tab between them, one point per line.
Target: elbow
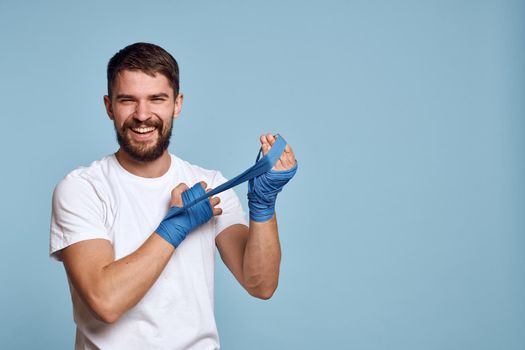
262	292
108	317
104	310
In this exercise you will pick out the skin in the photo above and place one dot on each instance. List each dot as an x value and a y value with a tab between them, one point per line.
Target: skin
110	287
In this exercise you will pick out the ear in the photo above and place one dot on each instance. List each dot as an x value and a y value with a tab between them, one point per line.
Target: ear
109	109
178	105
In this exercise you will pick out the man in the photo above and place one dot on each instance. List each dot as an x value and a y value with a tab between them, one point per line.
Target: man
140	279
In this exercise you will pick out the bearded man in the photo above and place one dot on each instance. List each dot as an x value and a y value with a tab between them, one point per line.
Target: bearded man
139	278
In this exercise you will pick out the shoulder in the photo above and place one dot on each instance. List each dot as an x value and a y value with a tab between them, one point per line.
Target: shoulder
96	169
85	179
79	209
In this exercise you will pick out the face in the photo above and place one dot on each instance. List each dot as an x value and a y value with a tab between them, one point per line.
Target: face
142	108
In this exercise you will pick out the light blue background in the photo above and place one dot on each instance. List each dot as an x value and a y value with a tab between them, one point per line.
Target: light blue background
404	228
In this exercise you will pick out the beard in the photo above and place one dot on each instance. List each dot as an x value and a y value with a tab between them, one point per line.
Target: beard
144	151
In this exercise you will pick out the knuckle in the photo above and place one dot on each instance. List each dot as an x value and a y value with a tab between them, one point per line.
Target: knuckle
178	189
182	185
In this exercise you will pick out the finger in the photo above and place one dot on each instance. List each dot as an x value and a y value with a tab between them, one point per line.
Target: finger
265	148
271	139
285	162
180	187
289	152
265	140
288	157
176	195
214	201
203	184
265	145
278	165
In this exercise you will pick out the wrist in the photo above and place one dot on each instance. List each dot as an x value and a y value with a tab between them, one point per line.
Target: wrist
263	191
179	222
171	233
260	210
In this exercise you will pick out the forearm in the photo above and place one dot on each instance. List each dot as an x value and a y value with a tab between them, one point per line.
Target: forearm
110	287
122	283
253	254
262	258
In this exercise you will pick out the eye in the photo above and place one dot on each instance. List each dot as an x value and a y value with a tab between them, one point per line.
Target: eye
158	99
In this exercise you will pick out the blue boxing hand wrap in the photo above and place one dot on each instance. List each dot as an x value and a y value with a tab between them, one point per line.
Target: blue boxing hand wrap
264	185
178	223
263	190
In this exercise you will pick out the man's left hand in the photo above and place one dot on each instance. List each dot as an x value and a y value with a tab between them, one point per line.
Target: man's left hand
287	159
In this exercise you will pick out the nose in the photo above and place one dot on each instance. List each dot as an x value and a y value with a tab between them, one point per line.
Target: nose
142	111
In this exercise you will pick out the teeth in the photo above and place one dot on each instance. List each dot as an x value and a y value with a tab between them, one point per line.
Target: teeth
143	130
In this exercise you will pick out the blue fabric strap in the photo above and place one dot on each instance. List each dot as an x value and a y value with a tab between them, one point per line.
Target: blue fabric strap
262	166
179	221
263	190
174	228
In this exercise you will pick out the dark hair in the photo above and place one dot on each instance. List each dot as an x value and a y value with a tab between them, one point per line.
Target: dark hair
148	58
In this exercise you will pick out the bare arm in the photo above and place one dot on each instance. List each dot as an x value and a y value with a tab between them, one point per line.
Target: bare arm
253	254
108	286
111	287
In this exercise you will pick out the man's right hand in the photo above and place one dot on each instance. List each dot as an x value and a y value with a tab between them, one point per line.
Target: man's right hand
174	229
176	197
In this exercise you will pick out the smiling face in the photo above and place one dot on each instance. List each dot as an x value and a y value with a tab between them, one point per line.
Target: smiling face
142	108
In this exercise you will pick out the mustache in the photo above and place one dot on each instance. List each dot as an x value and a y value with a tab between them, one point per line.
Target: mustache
142	124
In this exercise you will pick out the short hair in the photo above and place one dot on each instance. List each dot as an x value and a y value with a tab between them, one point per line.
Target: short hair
148	58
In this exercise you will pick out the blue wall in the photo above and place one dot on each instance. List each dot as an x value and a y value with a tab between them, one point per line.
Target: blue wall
404	228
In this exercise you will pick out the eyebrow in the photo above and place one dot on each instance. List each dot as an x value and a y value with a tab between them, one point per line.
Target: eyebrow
120	96
162	94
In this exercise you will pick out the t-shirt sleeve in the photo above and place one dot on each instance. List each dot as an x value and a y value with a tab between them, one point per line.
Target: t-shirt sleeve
232	211
77	214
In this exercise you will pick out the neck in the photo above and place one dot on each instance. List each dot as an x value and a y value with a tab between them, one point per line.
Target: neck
151	169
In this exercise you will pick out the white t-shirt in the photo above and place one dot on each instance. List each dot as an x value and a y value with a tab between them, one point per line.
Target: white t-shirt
105	201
